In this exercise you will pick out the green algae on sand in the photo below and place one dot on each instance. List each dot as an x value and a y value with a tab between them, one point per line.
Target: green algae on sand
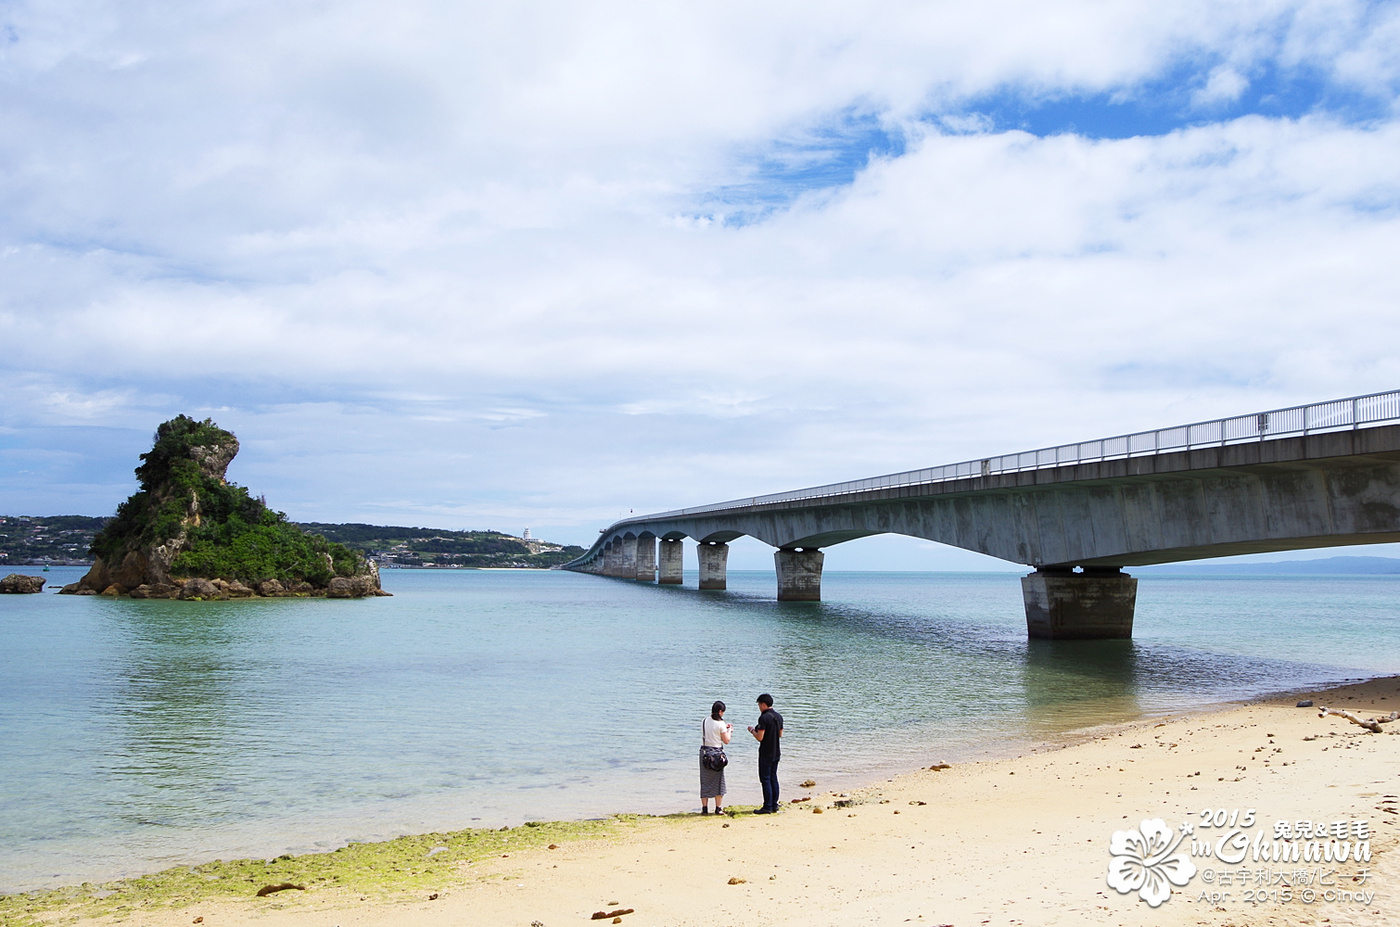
401	867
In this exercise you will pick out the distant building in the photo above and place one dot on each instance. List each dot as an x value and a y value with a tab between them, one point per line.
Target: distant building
533	544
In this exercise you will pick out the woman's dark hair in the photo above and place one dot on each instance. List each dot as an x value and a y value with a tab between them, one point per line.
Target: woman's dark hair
715	709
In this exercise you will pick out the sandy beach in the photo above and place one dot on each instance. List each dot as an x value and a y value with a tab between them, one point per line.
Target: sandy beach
1025	840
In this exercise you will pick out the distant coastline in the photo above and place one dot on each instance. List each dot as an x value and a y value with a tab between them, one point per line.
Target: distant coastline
64	540
39	541
1323	566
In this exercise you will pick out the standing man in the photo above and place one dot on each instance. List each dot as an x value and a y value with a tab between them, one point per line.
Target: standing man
769	734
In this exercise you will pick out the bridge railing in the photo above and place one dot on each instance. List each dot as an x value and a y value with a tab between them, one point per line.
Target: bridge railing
1335	415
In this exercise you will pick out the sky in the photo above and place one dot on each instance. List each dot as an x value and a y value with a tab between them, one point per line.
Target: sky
471	265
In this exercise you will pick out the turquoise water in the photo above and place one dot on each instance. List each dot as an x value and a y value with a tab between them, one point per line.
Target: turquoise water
137	734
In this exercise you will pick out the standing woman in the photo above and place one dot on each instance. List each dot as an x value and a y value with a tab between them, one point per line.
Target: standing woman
714	734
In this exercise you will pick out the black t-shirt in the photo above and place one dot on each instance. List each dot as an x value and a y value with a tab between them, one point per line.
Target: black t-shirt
771	724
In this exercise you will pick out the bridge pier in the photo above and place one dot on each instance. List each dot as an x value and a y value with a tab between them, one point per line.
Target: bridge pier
799	575
714	564
1094	605
646	559
672	562
611	555
627	563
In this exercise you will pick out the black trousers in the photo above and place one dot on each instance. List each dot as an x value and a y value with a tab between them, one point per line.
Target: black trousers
768	778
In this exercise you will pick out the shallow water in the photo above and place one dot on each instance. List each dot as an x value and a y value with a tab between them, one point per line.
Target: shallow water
138	734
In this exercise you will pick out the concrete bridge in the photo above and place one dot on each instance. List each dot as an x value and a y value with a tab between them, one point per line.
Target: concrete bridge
1321	475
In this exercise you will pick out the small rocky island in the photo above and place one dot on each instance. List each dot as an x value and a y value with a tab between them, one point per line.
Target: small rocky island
190	534
19	584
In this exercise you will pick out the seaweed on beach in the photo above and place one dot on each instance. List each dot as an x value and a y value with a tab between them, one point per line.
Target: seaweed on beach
402	867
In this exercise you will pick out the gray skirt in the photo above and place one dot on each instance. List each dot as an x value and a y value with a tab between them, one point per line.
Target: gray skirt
711	780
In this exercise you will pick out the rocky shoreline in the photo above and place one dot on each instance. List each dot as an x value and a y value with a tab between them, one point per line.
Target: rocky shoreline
199	589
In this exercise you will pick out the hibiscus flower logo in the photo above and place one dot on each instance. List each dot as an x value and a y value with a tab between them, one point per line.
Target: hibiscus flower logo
1144	861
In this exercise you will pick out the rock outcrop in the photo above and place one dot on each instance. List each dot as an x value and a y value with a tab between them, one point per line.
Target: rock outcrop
19	584
190	534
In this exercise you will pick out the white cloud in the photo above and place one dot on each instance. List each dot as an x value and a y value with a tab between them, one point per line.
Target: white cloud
450	264
1224	85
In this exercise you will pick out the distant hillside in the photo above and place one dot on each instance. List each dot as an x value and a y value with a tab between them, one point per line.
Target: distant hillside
61	539
54	539
1326	566
436	547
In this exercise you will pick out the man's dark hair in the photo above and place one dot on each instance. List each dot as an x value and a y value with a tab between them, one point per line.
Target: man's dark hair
715	709
765	700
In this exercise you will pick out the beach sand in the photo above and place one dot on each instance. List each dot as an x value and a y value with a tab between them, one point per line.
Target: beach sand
1015	841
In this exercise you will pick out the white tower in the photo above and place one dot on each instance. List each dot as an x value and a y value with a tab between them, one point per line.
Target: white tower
526	535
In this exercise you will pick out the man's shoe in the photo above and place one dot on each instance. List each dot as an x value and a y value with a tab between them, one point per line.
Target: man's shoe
763	811
705	810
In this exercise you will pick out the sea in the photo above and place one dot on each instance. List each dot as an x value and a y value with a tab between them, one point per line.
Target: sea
138	735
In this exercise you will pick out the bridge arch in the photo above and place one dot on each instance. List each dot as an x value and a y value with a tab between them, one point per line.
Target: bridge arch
719	537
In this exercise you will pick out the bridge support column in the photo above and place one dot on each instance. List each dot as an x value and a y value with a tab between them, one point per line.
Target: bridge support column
627	563
799	575
714	565
1094	605
611	556
672	563
646	559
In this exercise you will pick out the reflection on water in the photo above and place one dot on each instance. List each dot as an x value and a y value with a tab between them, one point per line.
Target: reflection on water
149	732
178	688
1077	684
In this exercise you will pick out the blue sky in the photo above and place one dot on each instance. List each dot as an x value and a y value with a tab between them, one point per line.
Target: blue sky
470	266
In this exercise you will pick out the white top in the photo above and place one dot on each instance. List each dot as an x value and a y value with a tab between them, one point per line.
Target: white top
711	731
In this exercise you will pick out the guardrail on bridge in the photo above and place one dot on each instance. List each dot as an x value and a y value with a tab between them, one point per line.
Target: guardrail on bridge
1335	415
